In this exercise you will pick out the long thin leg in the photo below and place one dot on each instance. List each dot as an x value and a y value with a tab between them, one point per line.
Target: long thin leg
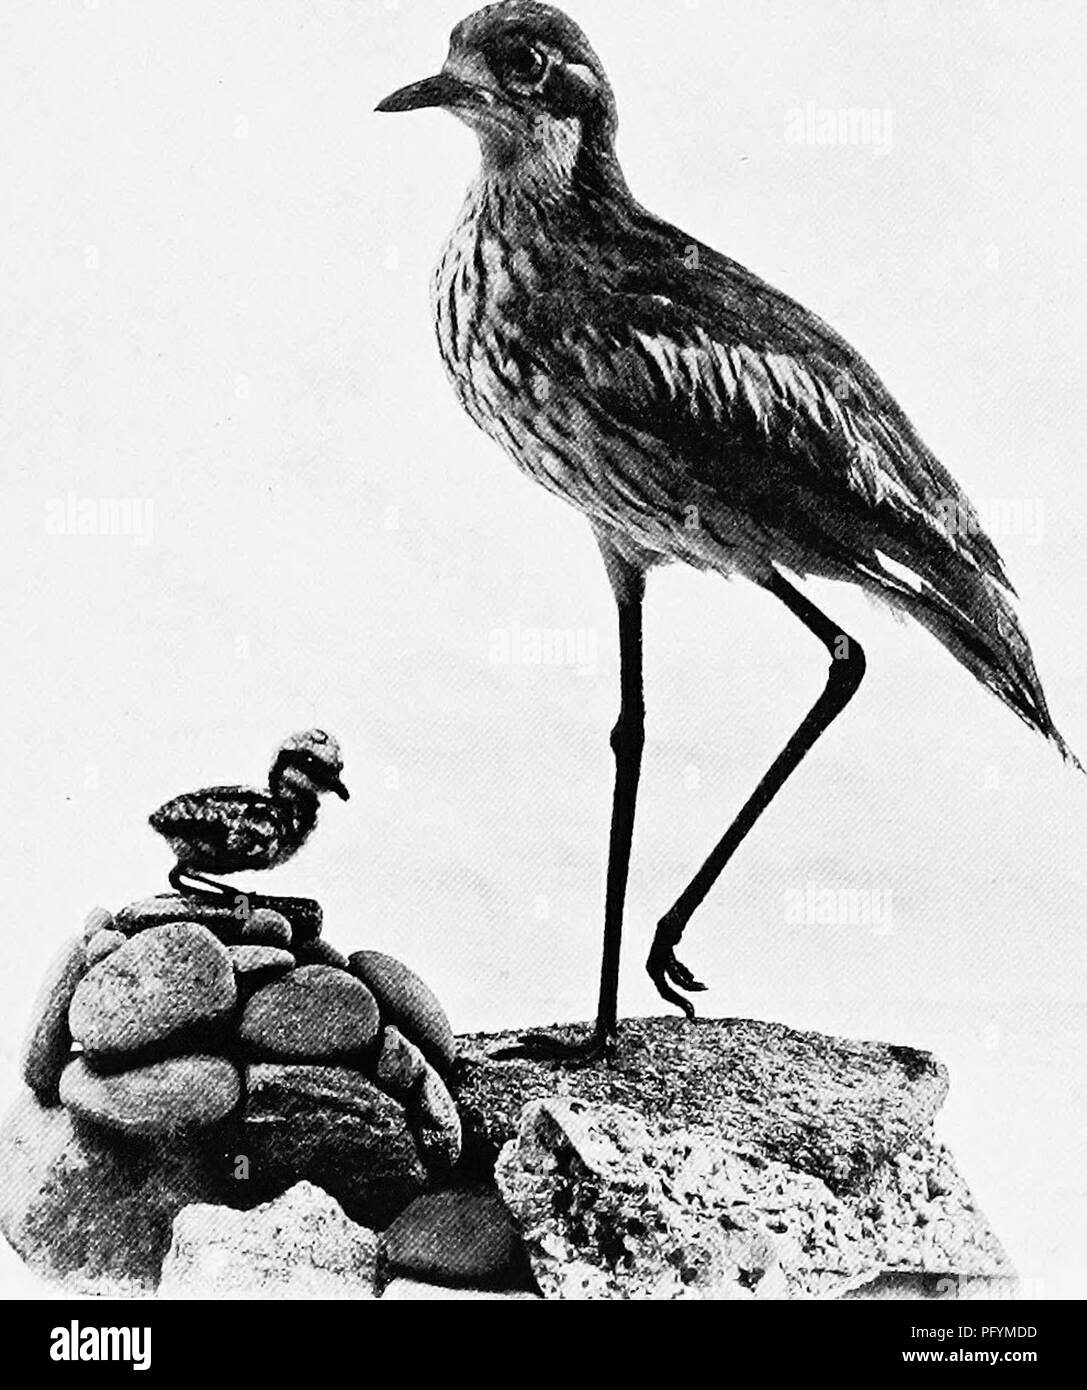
627	741
846	673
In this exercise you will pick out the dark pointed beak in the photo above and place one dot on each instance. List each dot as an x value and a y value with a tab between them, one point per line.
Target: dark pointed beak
442	90
341	791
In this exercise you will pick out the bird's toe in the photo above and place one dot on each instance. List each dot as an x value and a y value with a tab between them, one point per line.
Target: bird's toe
545	1047
666	971
683	978
659	976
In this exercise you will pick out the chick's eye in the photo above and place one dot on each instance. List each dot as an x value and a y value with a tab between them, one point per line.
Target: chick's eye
526	63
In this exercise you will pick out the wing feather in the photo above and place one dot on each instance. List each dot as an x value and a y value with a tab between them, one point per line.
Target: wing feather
811	437
238	821
743	393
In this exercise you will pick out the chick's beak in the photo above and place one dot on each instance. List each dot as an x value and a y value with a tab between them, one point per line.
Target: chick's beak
441	90
341	791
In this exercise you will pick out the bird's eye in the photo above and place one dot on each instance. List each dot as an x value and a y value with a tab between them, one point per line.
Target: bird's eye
526	63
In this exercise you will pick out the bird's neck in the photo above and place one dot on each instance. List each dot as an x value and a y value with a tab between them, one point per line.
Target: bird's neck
299	803
301	809
551	179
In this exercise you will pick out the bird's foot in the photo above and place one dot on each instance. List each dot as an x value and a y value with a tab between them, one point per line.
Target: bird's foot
198	886
545	1047
667	970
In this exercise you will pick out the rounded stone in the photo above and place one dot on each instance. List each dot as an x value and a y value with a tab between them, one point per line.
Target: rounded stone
400	1066
316	1013
102	944
256	966
98	919
465	1238
168	984
266	927
331	1126
319	952
90	1213
222	915
409	1004
435	1123
163	1098
48	1040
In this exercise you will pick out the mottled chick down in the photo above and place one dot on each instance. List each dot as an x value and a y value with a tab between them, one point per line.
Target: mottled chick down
229	829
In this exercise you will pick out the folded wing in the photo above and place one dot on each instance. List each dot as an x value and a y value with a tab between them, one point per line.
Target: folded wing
755	409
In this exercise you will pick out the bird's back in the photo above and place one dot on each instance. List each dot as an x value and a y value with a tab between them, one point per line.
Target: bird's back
682	403
220	828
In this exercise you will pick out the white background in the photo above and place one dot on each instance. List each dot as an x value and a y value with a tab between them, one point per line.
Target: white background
215	278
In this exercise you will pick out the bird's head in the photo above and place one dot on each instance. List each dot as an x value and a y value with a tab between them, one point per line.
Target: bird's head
526	79
308	763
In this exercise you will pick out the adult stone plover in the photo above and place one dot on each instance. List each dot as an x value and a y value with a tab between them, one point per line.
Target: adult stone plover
691	413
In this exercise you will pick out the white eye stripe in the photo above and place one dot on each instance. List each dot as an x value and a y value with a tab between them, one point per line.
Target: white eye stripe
580	73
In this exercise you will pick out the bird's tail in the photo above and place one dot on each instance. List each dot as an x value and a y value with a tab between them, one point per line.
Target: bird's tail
975	620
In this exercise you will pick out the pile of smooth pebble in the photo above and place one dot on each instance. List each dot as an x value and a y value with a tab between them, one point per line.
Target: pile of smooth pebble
167	1017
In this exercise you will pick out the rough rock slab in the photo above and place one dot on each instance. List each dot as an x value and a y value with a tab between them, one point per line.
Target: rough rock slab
924	1219
333	1127
223	918
831	1107
168	1097
170	985
410	1004
315	1013
415	1291
299	1246
94	1212
48	1039
607	1211
459	1238
611	1207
